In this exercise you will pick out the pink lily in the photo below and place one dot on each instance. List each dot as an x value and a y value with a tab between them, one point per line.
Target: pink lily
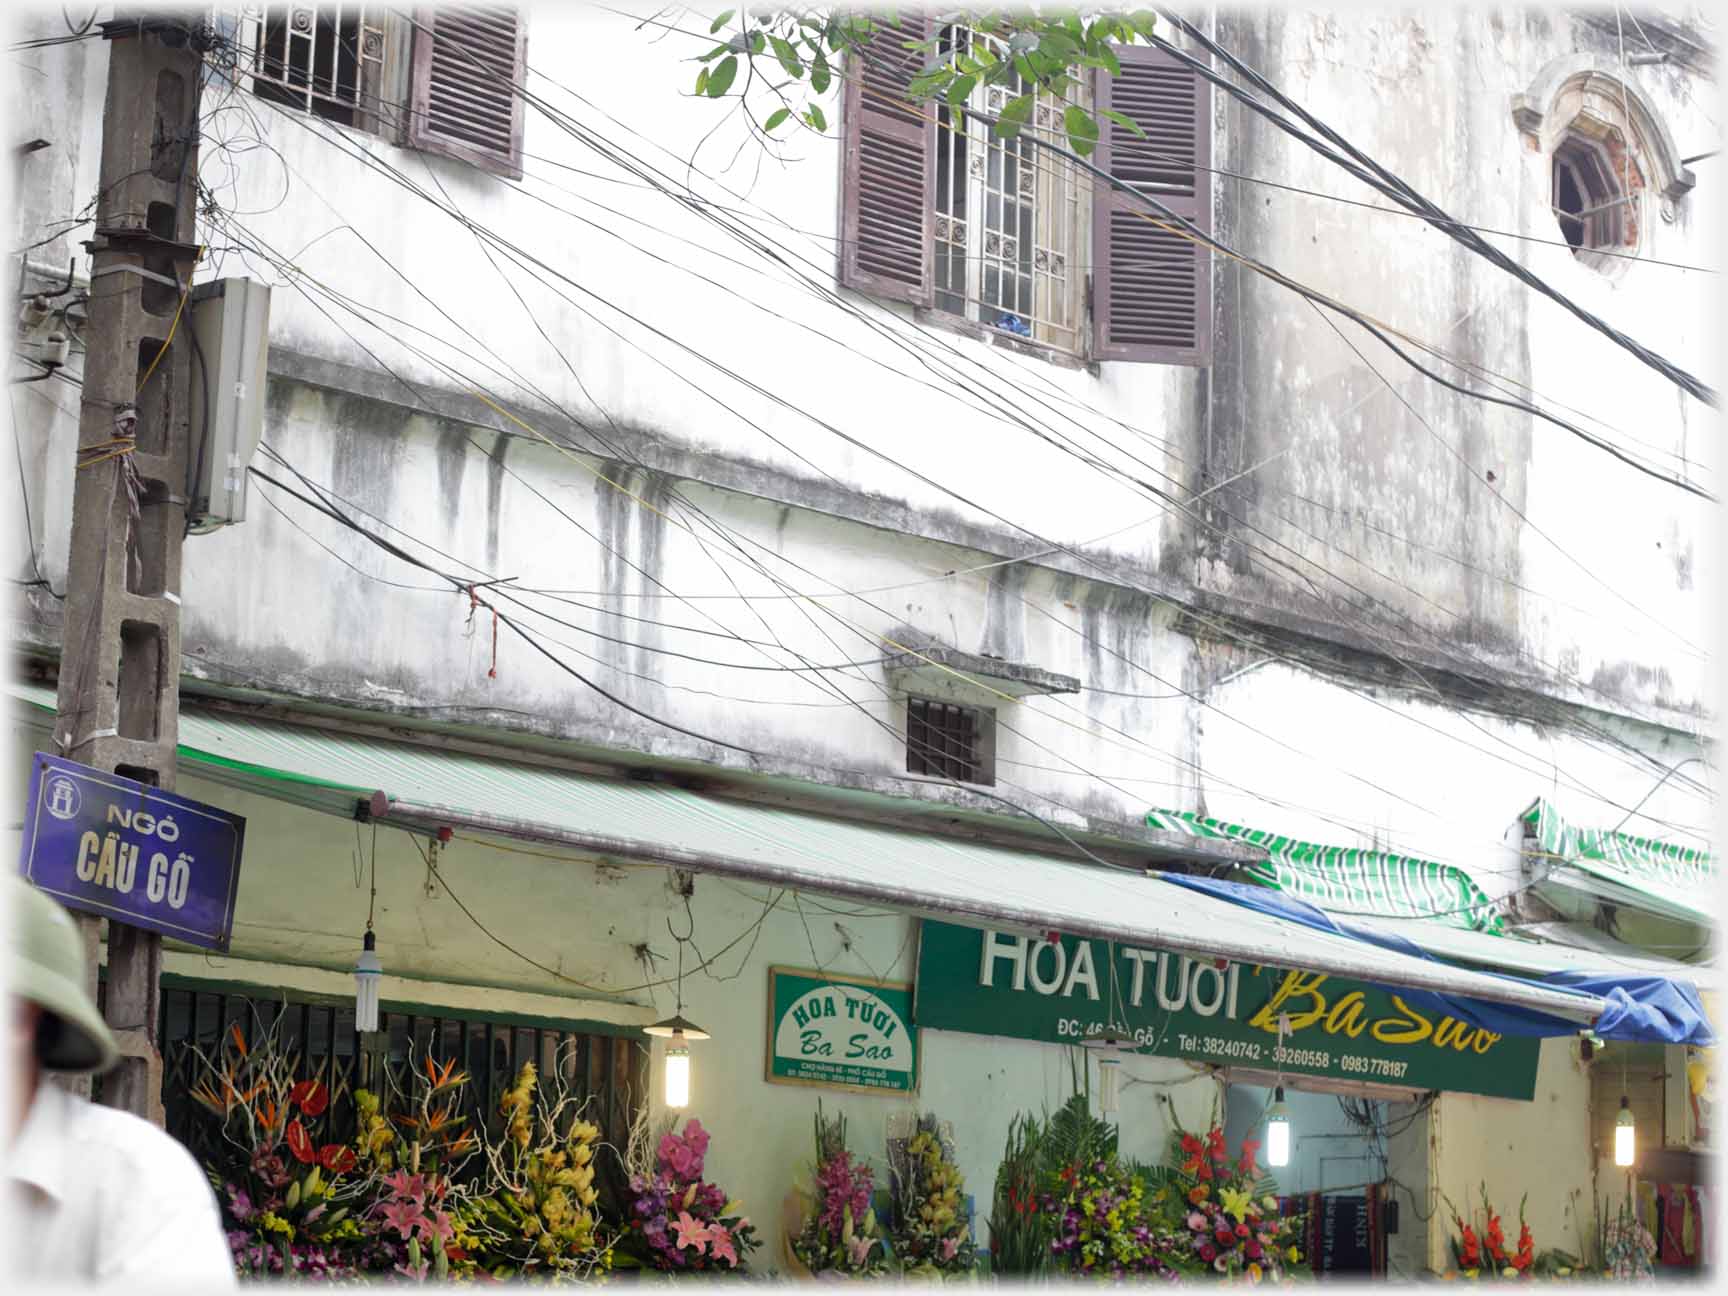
692	1232
720	1244
404	1217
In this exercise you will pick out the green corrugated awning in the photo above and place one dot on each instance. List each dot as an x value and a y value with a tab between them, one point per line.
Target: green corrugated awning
1639	872
634	822
1351	880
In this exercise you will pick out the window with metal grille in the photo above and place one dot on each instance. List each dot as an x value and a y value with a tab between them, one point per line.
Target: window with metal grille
1011	217
949	741
1595	184
611	1071
445	80
326	61
939	212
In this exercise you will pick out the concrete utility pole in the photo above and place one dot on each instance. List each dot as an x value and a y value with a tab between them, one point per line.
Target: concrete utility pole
120	651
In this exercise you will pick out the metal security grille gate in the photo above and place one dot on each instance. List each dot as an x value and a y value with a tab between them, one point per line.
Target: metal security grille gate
325	60
610	1071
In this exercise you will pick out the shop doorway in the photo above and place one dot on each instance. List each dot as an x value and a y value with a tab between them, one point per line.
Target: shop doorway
1357	1173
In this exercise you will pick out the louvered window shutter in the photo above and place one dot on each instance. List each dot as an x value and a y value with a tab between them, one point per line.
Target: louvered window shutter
1151	287
463	102
888	189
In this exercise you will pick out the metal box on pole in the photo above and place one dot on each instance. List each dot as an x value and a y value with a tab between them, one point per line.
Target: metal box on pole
231	337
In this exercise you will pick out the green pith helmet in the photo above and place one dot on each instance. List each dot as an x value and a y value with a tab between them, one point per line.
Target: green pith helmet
47	968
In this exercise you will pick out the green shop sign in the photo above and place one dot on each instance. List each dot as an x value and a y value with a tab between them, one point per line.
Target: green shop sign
844	1032
1175	1005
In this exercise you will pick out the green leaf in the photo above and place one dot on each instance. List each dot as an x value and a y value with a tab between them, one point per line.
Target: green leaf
758	43
1122	120
714	53
721	21
816	118
961	88
788	57
702	82
1013	116
1059	46
819	74
1082	129
1107	56
720	80
775	118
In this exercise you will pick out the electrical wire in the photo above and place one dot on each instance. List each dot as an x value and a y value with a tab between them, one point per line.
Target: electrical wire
1377	176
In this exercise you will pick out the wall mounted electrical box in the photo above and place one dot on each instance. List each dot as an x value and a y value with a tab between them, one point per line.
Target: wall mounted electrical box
231	342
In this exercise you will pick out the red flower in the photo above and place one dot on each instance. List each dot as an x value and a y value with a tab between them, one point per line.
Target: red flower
1495	1237
1246	1164
336	1158
1526	1248
1472	1255
299	1142
1223	1234
1205	1172
1215	1145
310	1096
1208	1253
1242	1230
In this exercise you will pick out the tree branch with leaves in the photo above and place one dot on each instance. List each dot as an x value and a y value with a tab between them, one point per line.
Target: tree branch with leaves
799	55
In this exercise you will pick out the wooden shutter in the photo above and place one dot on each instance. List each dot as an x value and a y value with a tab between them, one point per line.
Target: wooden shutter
1151	287
888	187
463	99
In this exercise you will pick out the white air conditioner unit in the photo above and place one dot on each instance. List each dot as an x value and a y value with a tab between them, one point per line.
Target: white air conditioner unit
231	342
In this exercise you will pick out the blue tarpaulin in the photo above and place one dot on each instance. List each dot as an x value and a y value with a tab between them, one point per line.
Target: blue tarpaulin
1642	1008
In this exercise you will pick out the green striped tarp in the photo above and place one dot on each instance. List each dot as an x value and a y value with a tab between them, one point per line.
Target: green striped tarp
1640	863
1352	880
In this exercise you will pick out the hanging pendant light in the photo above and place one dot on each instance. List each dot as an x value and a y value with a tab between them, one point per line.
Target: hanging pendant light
1278	1131
369	969
368	972
677	1031
1108	1042
1278	1115
1625	1134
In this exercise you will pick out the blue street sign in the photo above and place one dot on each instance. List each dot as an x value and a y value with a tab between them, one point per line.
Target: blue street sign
123	850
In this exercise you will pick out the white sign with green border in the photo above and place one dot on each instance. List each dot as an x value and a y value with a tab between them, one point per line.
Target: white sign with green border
842	1032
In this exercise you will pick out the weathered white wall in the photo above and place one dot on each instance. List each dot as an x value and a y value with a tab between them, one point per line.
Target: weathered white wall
1541	1148
1383	516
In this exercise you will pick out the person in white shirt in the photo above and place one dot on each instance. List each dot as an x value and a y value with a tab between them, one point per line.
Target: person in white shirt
92	1195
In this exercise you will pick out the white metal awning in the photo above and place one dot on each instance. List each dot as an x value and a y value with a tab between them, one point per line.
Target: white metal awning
1554	953
635	822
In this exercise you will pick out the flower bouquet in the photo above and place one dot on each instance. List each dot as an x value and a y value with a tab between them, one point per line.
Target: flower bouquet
1221	1214
1484	1253
288	1198
1101	1223
534	1215
1019	1233
931	1236
838	1236
675	1221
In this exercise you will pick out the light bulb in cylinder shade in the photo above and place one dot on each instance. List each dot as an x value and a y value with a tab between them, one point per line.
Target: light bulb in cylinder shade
368	972
1109	1077
1625	1135
677	1073
1278	1131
